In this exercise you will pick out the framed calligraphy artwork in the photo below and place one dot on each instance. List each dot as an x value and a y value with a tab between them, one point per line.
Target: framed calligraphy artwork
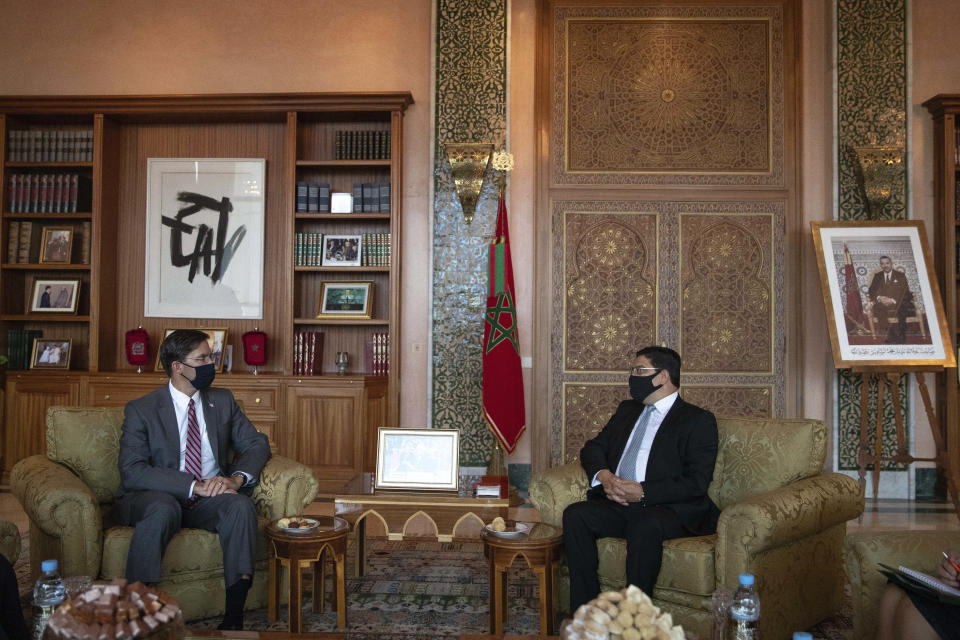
881	296
204	254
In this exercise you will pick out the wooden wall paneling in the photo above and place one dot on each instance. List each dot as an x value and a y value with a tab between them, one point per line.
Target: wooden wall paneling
28	397
115	391
396	265
203	140
376	411
289	181
105	352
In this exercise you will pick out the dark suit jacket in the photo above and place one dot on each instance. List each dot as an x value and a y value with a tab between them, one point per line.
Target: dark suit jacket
150	442
897	288
680	466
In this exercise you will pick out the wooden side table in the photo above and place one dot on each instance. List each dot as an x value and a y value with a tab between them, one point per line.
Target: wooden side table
299	550
541	549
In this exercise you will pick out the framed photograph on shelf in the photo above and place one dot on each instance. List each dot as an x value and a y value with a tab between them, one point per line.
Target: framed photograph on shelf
342	250
204	238
347	300
217	339
56	245
50	353
881	296
54	296
418	459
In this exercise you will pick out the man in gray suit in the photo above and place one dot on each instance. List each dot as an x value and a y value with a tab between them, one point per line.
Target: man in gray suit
175	471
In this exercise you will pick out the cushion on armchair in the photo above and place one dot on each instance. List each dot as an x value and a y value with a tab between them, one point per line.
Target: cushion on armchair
757	455
73	443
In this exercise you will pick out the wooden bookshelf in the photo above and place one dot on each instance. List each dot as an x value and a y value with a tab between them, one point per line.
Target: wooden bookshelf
294	133
945	110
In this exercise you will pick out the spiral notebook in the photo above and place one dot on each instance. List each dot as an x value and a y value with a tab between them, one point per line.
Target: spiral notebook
921	583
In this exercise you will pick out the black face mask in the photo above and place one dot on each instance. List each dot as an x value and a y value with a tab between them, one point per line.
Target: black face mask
642	386
205	375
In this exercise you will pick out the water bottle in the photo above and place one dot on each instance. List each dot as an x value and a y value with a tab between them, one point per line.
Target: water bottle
48	593
802	635
745	610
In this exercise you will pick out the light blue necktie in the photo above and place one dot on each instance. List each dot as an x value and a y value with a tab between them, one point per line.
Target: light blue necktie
628	461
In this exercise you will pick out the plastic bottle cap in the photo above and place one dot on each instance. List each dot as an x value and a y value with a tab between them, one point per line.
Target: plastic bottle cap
48	565
746	579
802	635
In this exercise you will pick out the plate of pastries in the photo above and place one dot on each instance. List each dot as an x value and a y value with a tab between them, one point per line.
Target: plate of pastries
507	528
297	525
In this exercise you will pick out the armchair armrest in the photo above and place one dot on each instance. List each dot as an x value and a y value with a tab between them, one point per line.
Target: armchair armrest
777	517
62	507
863	550
551	491
9	541
286	487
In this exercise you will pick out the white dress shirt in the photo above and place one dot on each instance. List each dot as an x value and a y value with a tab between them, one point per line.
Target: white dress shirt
181	403
659	409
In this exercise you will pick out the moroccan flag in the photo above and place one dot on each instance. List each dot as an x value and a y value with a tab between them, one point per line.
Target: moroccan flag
502	376
855	314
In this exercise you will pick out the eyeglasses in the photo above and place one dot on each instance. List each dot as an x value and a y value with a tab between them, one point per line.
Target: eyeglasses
203	359
638	371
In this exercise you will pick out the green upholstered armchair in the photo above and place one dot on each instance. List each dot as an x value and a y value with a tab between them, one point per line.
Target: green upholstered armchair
915	549
9	541
69	492
782	519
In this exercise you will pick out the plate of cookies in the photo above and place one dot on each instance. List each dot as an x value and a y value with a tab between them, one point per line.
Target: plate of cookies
297	525
504	529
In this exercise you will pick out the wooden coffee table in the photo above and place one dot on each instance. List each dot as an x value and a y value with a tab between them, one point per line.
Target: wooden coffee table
299	550
395	509
541	548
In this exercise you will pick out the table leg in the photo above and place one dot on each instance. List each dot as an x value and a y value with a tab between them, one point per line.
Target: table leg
361	528
341	590
296	596
492	581
320	582
500	597
546	600
273	597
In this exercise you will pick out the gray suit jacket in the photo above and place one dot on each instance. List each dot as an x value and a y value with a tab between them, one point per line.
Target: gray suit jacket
150	442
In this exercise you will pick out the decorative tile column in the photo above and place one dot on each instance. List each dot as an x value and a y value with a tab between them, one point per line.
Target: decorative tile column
871	103
470	106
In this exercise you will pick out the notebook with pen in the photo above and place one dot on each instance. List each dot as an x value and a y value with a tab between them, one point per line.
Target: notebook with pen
921	583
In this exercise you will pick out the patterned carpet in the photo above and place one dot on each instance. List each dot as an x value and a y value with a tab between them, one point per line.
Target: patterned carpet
417	590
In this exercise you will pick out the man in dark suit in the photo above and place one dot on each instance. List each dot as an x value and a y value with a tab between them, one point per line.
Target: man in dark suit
891	298
175	472
649	469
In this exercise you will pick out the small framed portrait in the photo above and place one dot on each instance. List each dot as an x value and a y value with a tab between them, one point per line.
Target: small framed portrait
348	300
881	296
418	459
50	354
216	338
342	250
56	245
54	296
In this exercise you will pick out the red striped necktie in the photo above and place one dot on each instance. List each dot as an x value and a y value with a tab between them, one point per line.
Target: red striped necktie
191	459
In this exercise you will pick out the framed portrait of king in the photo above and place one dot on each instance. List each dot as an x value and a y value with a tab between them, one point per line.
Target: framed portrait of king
881	295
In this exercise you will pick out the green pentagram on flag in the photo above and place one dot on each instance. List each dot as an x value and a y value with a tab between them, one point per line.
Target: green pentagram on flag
499	332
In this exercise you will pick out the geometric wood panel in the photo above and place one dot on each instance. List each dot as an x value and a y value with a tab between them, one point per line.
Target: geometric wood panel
732	401
668	95
610	287
726	279
586	409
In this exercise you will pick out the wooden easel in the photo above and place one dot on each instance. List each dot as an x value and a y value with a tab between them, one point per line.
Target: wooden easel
887	378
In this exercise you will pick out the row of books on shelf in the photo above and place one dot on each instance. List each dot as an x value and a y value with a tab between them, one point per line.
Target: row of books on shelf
378	354
50	145
313	198
19	347
31	243
362	145
307	353
371	197
48	192
338	250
